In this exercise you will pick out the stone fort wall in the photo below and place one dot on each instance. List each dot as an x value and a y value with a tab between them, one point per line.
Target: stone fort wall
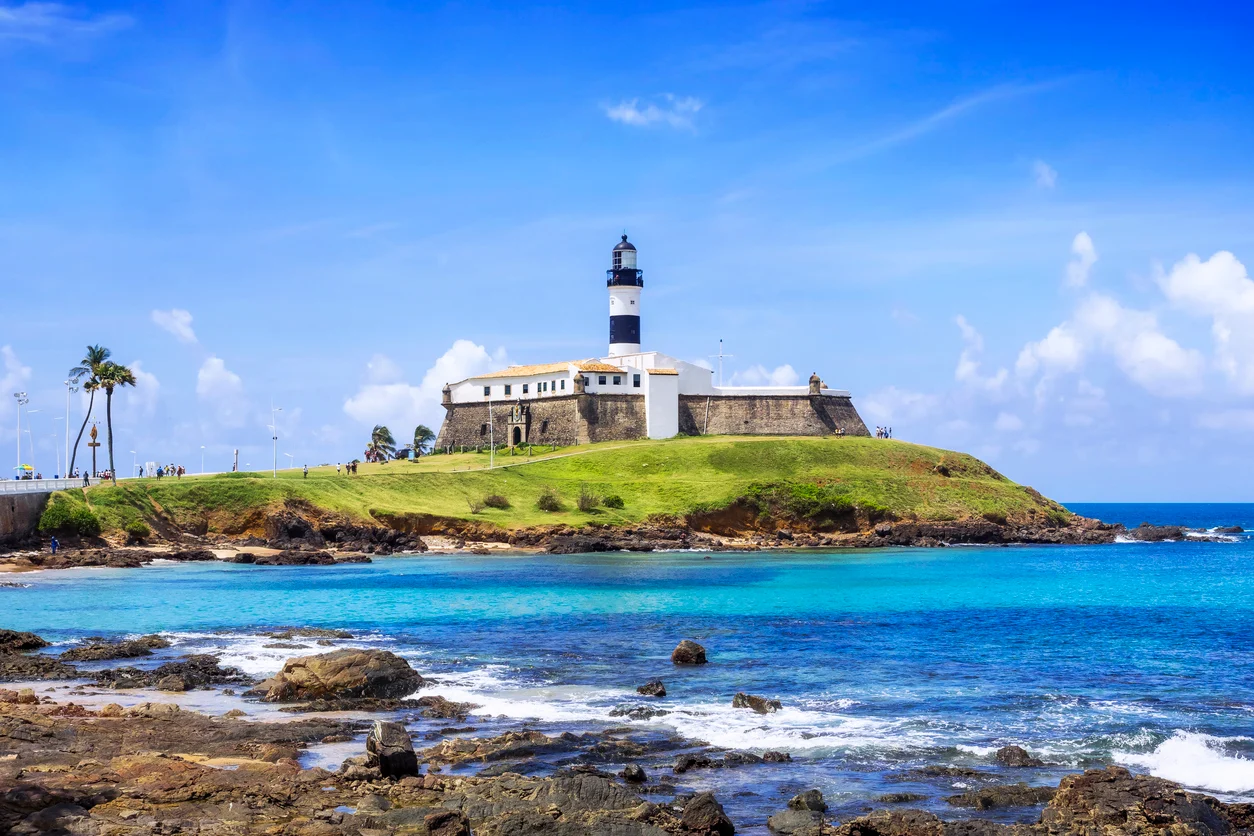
768	415
19	515
583	419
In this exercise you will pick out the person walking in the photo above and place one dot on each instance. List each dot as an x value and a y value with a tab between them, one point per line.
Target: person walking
53	544
306	471
337	468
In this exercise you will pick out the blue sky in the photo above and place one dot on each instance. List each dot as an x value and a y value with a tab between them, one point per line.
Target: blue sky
1017	232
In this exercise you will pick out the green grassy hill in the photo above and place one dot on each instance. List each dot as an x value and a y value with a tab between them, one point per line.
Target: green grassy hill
808	478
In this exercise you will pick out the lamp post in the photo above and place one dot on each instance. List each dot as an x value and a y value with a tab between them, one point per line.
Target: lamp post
30	437
21	399
202	460
291	461
70	388
54	446
134	465
274	436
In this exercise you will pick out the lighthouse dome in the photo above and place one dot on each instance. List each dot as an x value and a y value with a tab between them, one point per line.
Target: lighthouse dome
624	245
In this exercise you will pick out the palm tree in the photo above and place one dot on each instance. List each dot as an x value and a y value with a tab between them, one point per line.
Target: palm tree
111	376
89	367
381	443
422	438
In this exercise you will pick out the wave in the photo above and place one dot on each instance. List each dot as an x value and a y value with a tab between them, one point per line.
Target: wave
1196	760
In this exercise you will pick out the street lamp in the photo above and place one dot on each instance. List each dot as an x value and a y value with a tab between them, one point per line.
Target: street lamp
202	460
291	461
54	448
274	436
70	388
30	438
21	399
134	465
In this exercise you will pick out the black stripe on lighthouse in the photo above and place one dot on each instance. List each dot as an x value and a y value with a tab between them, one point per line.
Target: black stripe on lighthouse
624	330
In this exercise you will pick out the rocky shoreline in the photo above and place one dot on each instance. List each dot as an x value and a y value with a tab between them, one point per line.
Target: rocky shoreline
93	767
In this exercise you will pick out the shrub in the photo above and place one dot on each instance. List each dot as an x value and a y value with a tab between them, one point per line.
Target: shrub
84	523
64	517
476	506
995	517
549	500
137	530
495	500
612	501
588	501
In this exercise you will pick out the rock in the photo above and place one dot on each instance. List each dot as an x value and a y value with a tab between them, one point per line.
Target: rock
759	704
172	683
288	557
12	641
27	696
740	759
638	712
1148	533
447	823
18	667
309	633
684	763
287	530
1016	756
704	816
126	649
901	798
388	747
808	800
1112	800
197	671
341	673
652	688
776	757
438	708
688	653
798	822
111	710
633	773
235	714
1009	795
275	752
893	823
1229	529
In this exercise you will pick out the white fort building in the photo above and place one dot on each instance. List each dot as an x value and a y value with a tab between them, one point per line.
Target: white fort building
631	393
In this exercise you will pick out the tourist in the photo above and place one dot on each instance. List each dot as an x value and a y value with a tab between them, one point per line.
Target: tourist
53	544
337	468
306	471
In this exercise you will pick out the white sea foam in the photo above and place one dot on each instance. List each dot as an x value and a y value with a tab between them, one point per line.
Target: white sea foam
1196	760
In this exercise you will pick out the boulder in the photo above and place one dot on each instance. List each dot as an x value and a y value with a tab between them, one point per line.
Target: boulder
893	823
18	667
389	748
196	671
348	673
447	823
704	816
172	683
1010	795
759	704
12	641
1112	800
1016	756
633	773
808	800
776	757
286	530
638	712
99	651
684	763
795	822
652	688
688	653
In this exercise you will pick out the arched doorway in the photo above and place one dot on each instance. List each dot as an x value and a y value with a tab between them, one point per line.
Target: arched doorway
517	436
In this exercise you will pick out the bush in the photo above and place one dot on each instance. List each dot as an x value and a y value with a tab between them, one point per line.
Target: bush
995	517
495	500
549	501
476	507
612	501
64	517
137	530
588	501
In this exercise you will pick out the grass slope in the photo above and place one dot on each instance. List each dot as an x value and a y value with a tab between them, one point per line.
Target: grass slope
672	477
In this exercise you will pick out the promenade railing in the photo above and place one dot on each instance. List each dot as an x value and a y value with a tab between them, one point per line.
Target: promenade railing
10	486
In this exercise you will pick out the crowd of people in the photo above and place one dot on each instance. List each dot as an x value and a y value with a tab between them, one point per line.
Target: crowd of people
177	471
349	468
883	432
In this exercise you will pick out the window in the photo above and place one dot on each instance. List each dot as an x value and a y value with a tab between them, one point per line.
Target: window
635	381
601	379
618	380
563	385
483	429
540	386
544	427
487	390
553	386
507	389
524	388
633	301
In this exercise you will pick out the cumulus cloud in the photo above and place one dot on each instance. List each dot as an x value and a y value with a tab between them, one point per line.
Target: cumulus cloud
1219	288
891	405
968	369
223	391
141	399
48	23
1008	422
15	374
759	375
1046	176
178	322
1085	256
675	112
387	399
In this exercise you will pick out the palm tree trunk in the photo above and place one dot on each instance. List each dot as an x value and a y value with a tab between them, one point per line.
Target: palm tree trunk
86	418
113	474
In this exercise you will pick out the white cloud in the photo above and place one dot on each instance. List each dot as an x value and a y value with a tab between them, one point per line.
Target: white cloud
676	111
1046	176
1060	351
386	399
46	23
15	374
891	405
1085	257
178	322
223	390
968	369
1241	420
1008	422
759	375
141	399
1221	289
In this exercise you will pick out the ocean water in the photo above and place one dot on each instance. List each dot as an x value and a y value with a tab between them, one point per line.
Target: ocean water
886	661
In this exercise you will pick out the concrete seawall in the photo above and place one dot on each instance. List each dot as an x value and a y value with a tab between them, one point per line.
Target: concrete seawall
19	515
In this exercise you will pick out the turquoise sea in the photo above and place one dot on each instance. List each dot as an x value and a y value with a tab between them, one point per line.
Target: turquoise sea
885	660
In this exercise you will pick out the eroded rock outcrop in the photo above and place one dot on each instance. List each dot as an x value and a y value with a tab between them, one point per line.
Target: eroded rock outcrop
341	674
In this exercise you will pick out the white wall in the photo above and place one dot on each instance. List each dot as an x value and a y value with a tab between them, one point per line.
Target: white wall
661	405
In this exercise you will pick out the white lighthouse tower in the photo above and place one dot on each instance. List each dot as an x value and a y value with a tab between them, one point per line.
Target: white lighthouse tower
625	283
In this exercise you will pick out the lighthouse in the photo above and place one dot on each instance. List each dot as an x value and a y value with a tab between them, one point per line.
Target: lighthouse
625	282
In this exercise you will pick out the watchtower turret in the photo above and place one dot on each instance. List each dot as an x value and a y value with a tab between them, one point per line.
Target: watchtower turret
625	282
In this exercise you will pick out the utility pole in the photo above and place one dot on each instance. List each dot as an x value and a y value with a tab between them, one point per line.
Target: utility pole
720	357
274	427
69	389
202	460
21	399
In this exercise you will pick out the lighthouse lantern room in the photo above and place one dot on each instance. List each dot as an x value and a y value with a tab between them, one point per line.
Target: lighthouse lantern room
625	282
